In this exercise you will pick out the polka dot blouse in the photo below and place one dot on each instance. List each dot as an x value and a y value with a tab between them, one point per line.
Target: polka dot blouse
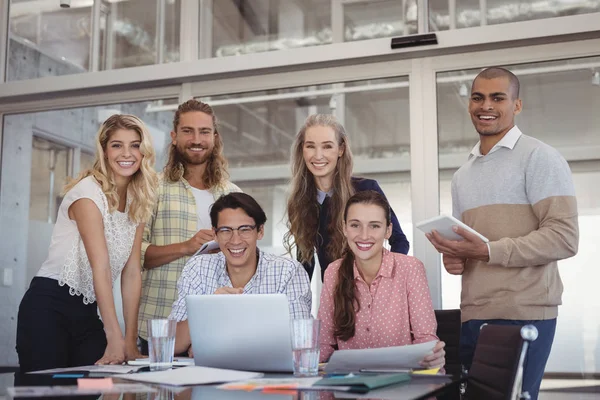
395	310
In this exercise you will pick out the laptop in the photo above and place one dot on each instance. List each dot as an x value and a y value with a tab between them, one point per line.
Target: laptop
249	332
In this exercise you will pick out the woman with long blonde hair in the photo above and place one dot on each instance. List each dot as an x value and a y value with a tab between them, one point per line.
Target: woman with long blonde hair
322	183
97	236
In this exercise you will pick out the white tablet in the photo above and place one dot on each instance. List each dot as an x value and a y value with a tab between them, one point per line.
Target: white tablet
443	225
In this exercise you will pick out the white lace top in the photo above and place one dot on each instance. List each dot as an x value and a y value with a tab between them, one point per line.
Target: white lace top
67	260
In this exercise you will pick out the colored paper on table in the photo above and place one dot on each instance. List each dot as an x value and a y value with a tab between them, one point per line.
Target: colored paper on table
102	383
432	371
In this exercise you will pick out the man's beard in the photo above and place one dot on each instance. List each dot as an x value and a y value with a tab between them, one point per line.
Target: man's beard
193	160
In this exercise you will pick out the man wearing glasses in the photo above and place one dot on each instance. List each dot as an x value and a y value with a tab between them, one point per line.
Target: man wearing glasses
240	268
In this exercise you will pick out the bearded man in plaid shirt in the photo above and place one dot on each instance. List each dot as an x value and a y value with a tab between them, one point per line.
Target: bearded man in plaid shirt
194	177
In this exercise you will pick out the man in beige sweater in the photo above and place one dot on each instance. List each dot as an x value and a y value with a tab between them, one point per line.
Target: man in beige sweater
518	192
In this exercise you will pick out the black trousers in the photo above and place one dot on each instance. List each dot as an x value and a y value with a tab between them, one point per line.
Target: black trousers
56	330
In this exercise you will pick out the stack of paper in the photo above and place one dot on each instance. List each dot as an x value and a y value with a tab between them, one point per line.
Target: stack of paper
192	376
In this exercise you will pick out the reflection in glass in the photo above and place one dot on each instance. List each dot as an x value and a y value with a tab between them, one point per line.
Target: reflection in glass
258	128
243	27
560	103
134	38
470	13
47	40
381	18
49	171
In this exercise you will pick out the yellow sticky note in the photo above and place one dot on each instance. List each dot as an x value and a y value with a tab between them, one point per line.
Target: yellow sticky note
431	371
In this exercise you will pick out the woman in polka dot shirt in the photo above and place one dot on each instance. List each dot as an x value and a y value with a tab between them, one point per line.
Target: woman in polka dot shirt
371	297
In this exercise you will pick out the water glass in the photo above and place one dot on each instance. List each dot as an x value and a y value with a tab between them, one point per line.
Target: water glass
161	343
305	346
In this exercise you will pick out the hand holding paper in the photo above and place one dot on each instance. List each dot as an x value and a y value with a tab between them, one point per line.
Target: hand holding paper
207	248
390	358
195	244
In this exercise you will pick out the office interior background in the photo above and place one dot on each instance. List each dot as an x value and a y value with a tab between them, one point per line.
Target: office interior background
265	65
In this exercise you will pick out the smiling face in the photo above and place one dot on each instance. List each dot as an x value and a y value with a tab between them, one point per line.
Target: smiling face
321	151
239	246
195	137
123	154
493	106
366	229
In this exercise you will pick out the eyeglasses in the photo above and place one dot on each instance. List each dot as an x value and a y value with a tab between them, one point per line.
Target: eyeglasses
244	231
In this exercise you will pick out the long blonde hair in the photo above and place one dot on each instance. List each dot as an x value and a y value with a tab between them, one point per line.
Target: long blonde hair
302	205
142	187
215	173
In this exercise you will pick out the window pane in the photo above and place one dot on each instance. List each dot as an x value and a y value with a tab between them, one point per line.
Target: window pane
560	103
133	38
468	12
242	27
259	127
47	40
49	172
371	19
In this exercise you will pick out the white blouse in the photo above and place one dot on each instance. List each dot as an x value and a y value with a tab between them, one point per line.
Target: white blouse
67	260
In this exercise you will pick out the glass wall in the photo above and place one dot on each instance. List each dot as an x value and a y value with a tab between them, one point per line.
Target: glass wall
471	13
53	143
560	100
50	165
132	38
47	40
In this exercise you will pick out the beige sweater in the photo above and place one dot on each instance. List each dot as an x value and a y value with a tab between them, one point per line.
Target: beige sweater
523	200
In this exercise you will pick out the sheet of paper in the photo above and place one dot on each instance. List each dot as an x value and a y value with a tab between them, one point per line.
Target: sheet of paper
381	358
107	369
192	376
177	361
58	391
207	247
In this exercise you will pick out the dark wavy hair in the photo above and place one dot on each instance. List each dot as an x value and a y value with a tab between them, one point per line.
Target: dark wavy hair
237	200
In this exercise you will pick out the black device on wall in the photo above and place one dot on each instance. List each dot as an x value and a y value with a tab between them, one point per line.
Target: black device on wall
414	40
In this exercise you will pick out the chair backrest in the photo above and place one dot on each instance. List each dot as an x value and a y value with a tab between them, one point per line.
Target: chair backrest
448	330
497	368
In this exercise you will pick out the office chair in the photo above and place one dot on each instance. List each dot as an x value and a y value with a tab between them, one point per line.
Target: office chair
497	369
448	330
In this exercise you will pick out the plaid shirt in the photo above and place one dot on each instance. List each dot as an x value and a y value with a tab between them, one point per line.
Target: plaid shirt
173	221
204	274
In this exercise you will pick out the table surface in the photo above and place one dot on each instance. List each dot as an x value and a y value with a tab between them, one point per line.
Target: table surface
417	388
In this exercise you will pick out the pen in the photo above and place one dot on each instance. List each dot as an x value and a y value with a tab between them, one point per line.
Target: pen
68	376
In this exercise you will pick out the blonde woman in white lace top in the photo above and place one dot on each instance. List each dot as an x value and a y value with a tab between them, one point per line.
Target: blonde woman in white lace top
97	236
